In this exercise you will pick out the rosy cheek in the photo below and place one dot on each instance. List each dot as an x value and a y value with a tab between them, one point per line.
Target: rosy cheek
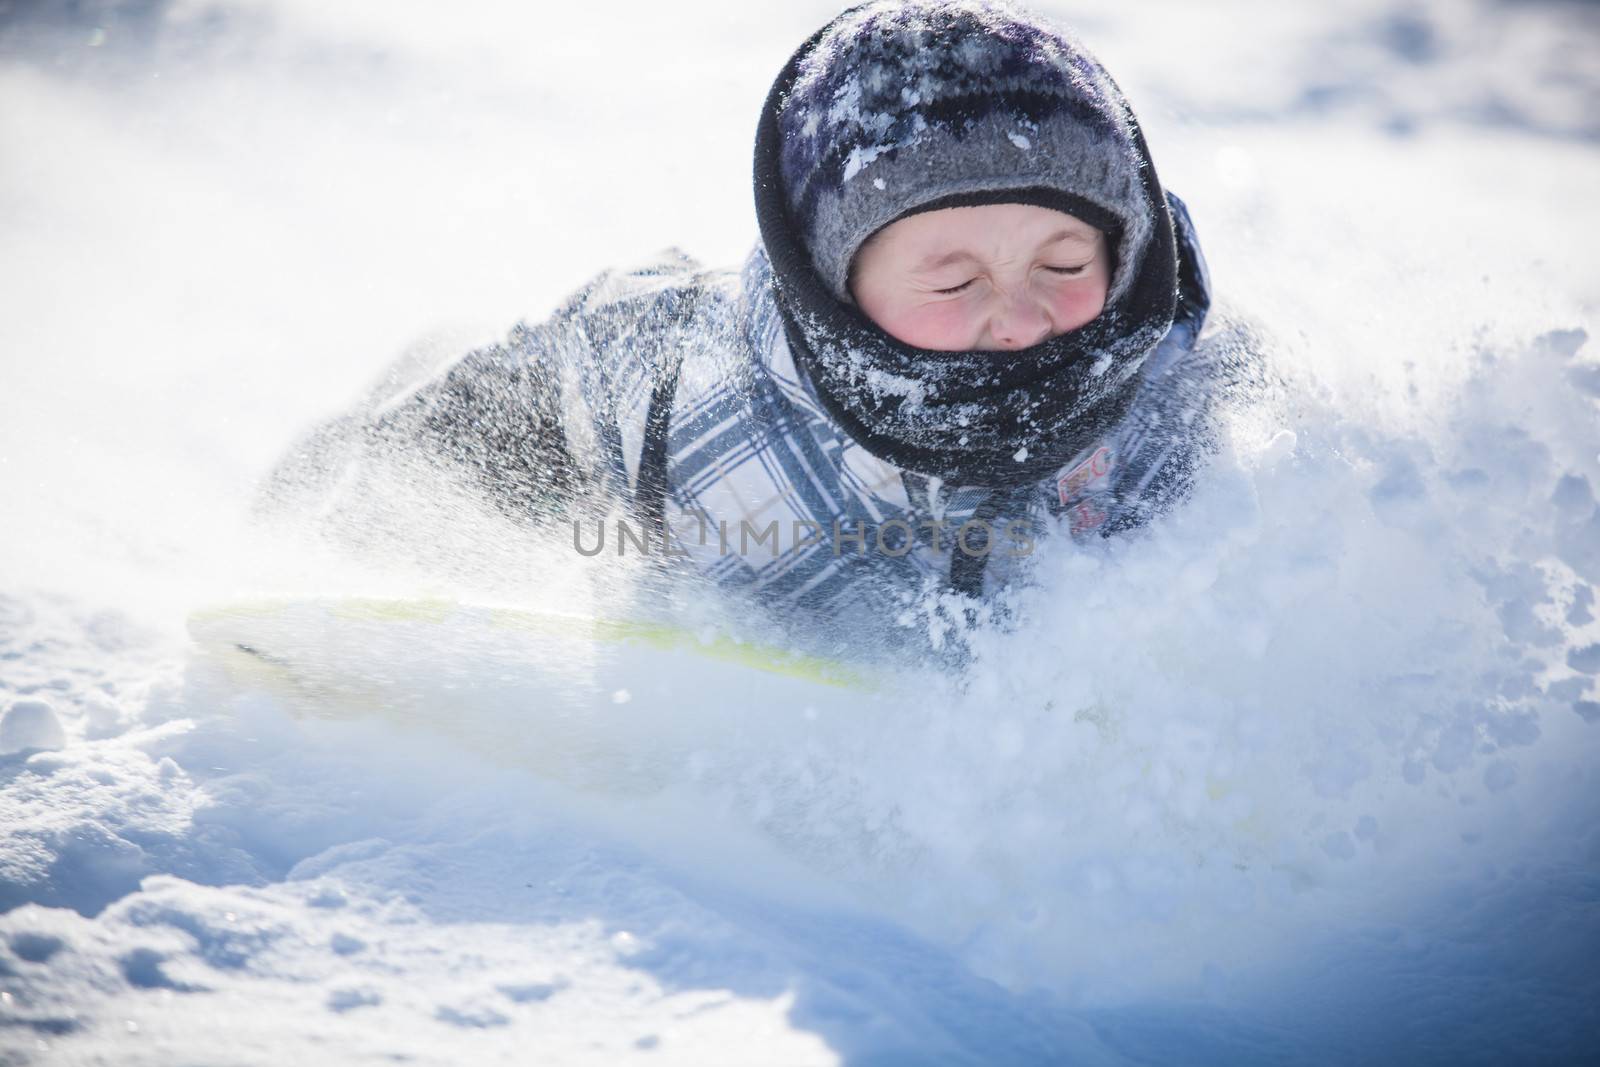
946	326
1077	303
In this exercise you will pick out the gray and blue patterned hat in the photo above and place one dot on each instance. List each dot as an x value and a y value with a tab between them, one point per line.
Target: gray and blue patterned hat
907	105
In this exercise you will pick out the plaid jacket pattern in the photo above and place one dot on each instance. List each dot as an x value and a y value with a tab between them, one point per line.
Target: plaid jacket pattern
763	493
766	494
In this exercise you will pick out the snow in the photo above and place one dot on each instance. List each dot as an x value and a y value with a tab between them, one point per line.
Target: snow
1305	775
30	724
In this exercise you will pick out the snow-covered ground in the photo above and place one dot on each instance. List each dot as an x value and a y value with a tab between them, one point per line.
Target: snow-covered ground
1309	774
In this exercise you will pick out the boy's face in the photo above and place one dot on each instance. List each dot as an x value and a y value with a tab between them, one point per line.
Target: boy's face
995	276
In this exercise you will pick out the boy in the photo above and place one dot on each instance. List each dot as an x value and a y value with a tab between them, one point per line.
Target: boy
972	318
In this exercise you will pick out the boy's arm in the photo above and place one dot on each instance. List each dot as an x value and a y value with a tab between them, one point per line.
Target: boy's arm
1173	431
487	426
526	425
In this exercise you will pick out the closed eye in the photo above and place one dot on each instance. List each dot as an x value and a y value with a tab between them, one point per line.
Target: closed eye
955	288
1068	270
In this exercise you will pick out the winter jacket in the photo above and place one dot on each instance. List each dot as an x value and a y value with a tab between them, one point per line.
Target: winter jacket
668	392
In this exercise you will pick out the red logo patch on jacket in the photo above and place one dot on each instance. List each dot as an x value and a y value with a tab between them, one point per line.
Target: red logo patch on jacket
1080	482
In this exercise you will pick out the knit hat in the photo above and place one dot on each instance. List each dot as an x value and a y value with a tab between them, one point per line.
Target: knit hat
906	105
900	106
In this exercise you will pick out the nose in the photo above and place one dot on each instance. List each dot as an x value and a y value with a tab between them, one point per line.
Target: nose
1018	322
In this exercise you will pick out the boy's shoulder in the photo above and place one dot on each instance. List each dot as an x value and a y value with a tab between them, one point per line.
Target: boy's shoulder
670	281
